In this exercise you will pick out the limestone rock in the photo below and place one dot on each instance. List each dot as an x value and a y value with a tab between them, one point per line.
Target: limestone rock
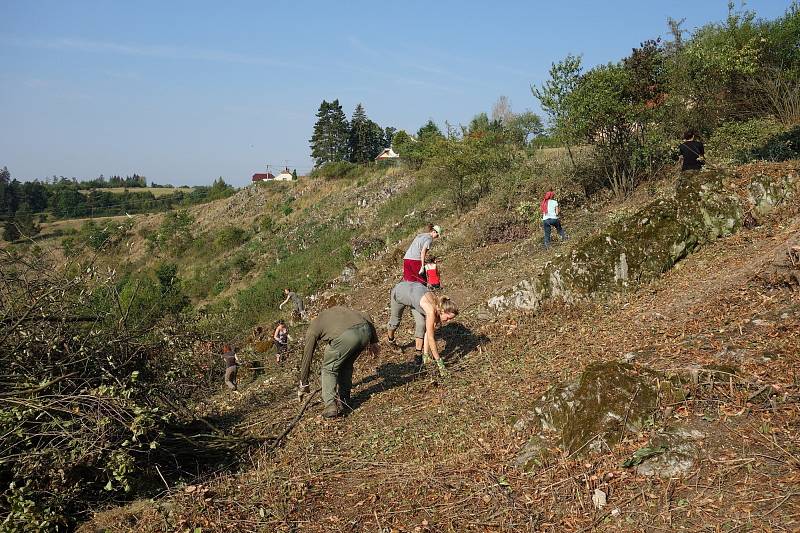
606	401
637	247
680	455
765	194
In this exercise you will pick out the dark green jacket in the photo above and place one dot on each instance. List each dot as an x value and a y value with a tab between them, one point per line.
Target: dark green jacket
326	327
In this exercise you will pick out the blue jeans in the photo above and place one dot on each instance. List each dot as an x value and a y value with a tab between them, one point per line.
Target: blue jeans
548	224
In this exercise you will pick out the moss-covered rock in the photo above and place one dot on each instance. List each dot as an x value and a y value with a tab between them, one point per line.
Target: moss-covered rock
607	401
638	247
766	193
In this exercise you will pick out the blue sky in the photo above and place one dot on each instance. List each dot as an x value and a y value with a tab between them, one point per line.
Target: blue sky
183	92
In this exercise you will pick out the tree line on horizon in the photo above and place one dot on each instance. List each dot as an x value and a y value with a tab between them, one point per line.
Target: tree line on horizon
24	205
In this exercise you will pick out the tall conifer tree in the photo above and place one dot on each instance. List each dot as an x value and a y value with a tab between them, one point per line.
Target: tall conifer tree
366	137
329	141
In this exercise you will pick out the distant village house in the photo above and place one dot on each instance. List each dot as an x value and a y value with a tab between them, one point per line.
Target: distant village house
263	177
388	155
286	175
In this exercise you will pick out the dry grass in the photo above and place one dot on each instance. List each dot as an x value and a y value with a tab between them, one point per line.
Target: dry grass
424	454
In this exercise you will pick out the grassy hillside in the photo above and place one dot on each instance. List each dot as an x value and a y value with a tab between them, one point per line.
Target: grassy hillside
429	454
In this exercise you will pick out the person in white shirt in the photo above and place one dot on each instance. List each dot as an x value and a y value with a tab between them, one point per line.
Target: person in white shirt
550	212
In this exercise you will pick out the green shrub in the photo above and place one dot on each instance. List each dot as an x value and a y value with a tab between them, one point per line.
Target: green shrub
468	169
780	147
242	263
339	170
230	237
734	142
70	246
175	233
104	235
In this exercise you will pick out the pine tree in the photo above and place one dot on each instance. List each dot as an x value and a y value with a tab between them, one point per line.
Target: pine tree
320	142
5	192
366	137
359	136
340	131
388	135
329	141
377	140
429	130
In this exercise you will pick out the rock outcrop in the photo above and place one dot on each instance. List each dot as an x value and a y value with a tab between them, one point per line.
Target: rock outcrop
646	244
597	409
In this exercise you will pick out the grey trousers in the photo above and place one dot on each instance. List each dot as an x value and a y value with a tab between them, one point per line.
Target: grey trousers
337	362
396	313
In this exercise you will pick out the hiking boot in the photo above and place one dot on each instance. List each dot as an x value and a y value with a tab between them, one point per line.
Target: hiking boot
418	360
332	410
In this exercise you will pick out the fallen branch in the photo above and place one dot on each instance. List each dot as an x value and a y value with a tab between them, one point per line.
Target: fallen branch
297	418
34	390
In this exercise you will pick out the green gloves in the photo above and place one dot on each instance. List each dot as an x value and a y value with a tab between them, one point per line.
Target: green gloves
442	369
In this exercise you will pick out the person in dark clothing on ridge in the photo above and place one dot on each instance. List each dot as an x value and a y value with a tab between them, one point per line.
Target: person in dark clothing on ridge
692	152
347	333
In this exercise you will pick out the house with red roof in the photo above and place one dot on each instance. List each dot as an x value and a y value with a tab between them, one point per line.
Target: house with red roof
263	177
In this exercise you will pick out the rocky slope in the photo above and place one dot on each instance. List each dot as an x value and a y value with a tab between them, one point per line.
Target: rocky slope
668	400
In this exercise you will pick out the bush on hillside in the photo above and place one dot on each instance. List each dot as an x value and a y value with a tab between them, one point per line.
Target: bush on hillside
89	376
339	170
738	142
105	234
783	146
174	234
230	237
467	169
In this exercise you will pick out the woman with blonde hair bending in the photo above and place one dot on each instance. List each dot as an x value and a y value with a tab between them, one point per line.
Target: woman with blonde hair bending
428	310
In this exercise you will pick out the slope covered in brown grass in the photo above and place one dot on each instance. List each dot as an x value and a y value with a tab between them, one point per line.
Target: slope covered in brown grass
422	453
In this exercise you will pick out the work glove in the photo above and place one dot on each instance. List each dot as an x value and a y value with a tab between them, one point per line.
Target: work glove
426	359
442	369
421	270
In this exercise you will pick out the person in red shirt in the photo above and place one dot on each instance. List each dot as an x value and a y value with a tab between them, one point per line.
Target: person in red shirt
432	273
